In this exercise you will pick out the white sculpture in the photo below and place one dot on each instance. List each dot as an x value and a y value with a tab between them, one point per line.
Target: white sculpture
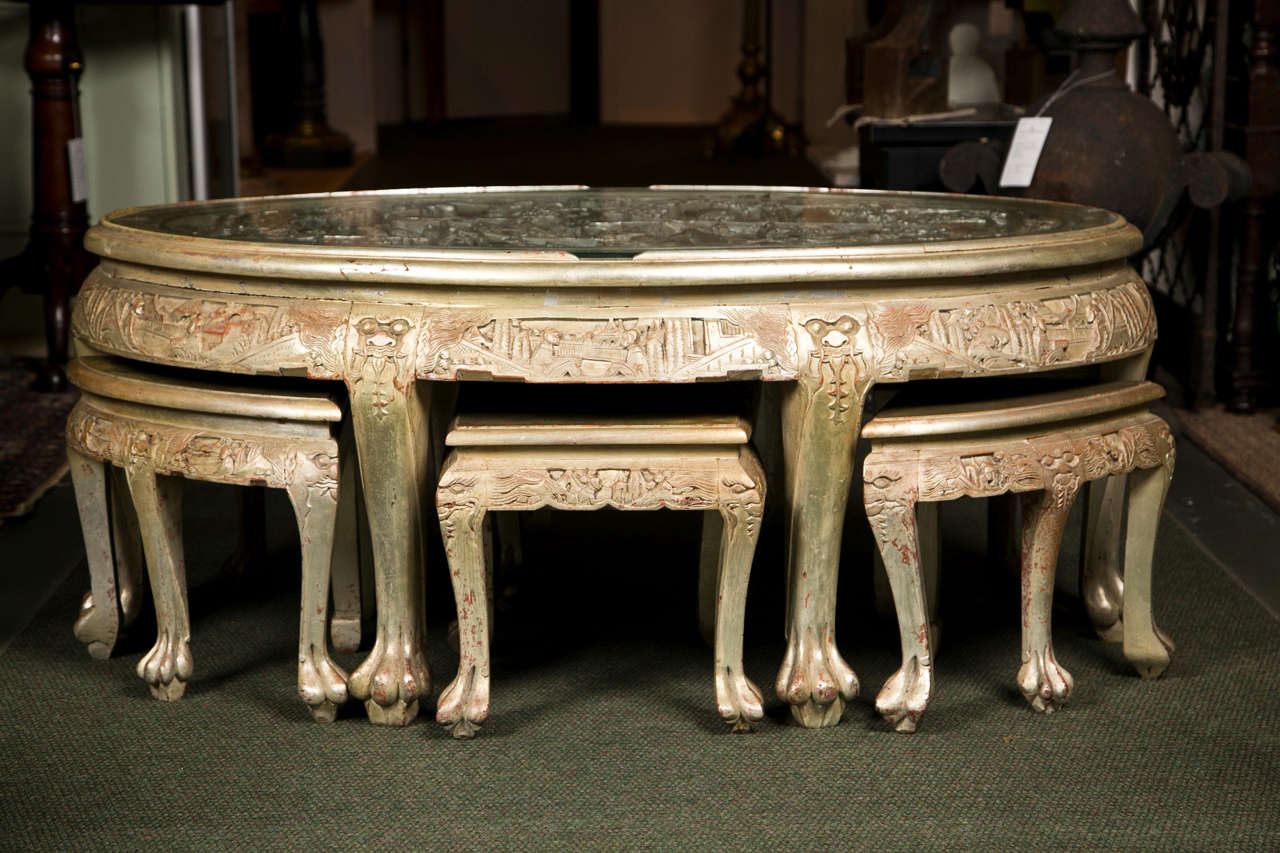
970	80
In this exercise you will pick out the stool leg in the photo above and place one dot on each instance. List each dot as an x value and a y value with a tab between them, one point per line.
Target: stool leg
464	703
345	627
98	625
1145	645
891	510
321	683
158	502
126	542
1044	683
1101	583
740	702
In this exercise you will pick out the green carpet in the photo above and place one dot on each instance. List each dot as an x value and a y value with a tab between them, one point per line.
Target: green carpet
605	737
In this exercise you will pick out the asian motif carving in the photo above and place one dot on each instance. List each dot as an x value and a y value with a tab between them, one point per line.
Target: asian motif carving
212	330
743	342
920	341
1053	461
727	480
239	459
147	442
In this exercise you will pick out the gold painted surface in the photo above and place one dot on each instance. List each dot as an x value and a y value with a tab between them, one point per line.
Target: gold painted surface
515	430
1011	412
120	380
828	292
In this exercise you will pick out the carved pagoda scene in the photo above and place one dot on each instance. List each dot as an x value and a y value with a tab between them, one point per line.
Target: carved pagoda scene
589	425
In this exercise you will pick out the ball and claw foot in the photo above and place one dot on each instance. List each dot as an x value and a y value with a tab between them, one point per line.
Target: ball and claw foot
166	668
390	681
1044	683
464	704
322	685
904	696
815	681
740	702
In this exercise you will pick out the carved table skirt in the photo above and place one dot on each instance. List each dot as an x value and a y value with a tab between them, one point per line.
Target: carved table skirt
667	285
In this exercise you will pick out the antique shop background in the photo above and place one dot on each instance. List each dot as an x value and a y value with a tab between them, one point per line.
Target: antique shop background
603	91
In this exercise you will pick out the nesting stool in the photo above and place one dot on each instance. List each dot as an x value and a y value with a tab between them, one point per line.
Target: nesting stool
163	426
509	463
1046	445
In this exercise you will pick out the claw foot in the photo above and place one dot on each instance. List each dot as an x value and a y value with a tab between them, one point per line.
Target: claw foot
390	680
167	667
464	704
740	702
904	696
1044	683
815	680
322	685
96	628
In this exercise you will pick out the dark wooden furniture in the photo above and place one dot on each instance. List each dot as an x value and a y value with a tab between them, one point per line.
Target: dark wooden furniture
54	261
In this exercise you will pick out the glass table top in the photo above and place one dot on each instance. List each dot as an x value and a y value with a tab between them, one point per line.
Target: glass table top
612	223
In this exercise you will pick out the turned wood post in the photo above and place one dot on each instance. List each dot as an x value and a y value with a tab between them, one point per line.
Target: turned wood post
1261	150
54	260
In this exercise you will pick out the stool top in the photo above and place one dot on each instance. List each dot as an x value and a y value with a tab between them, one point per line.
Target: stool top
1010	412
185	390
541	430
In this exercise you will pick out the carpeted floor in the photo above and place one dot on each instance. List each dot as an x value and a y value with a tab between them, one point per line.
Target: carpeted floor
33	453
604	733
1246	445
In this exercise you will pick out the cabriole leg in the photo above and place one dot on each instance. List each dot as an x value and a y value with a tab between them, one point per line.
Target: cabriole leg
98	625
158	502
389	428
321	683
1101	580
345	626
891	510
741	510
126	540
1044	683
1145	645
464	704
819	427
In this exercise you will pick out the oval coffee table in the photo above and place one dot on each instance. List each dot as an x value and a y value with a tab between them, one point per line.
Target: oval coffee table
827	291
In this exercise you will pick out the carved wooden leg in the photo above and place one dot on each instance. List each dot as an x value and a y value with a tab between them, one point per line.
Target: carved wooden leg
1101	581
388	430
1101	575
709	573
98	625
819	427
158	501
1044	683
348	612
741	510
126	541
464	704
818	448
321	683
1145	645
890	497
930	556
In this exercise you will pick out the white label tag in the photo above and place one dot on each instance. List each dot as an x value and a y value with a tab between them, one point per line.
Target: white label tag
79	181
1024	151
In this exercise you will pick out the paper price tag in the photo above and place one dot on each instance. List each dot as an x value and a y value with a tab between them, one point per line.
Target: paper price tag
1024	151
79	180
